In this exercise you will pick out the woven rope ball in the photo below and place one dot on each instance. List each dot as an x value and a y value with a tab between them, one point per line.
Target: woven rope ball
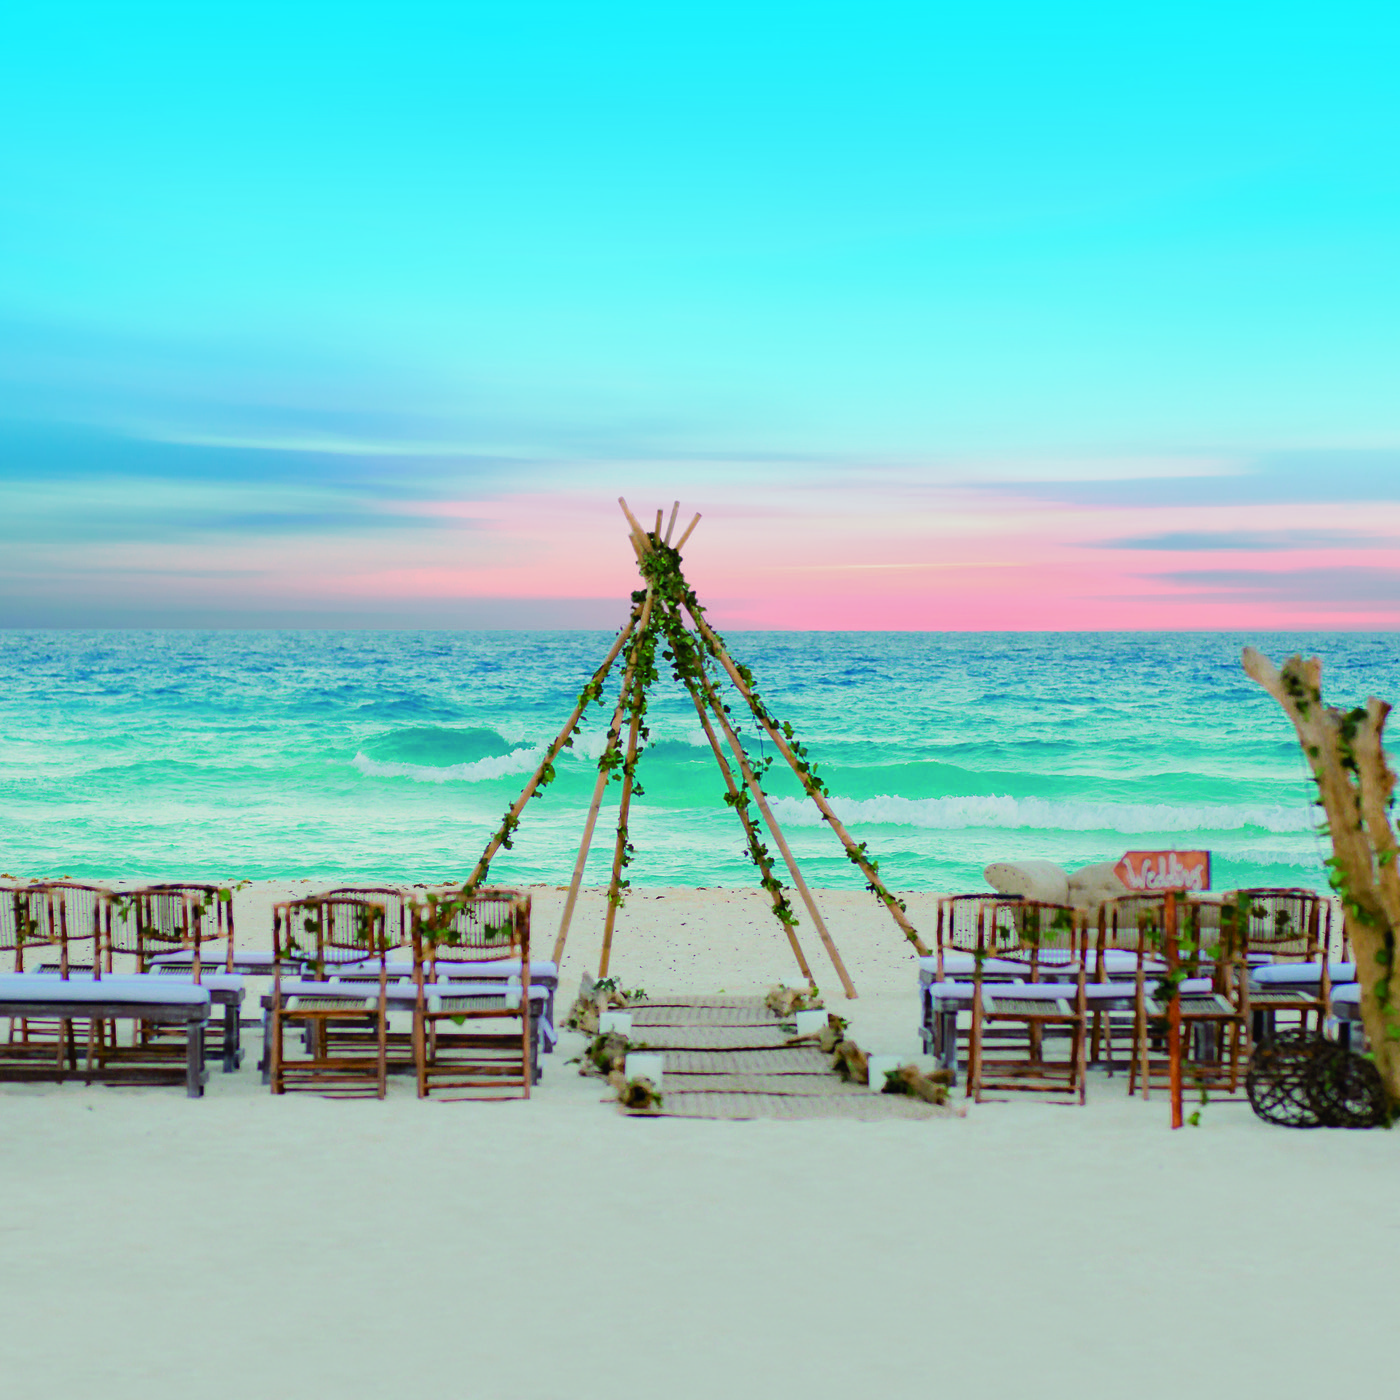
1305	1081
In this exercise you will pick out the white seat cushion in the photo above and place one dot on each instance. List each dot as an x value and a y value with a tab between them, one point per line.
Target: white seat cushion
949	991
150	991
1302	974
1033	991
959	964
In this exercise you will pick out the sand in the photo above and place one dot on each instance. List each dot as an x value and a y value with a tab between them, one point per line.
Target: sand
243	1244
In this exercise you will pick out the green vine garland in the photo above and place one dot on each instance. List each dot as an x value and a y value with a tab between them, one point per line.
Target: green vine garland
661	569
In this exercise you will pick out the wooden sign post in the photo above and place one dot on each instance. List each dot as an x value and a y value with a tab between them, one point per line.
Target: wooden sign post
1171	872
1173	1007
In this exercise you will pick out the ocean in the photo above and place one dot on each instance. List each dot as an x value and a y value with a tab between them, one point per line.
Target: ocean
391	756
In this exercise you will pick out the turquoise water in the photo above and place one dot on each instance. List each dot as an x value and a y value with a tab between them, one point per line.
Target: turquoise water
382	755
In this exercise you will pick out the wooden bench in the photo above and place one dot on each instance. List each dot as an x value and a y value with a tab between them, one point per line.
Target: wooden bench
42	996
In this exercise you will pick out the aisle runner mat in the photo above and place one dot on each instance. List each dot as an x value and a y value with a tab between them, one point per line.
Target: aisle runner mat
730	1058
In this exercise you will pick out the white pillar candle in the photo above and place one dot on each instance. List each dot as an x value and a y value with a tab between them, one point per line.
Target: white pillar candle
880	1066
644	1065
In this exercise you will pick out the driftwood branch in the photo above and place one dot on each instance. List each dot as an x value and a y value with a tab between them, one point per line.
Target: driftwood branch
1355	783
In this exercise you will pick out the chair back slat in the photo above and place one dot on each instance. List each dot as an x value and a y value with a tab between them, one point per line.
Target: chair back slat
961	920
1133	921
1286	924
324	930
1049	939
21	929
398	924
172	917
74	918
490	925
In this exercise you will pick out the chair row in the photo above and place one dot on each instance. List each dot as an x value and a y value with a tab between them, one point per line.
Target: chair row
1025	975
338	962
471	1034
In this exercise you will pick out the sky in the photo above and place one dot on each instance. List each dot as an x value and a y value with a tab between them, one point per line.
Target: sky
1012	316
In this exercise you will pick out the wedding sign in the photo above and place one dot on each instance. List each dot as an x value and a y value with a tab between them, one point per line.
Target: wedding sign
1165	870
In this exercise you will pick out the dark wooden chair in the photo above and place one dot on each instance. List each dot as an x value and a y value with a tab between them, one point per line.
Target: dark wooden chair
398	910
155	923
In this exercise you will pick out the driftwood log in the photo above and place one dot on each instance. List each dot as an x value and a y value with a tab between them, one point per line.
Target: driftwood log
1354	783
784	1002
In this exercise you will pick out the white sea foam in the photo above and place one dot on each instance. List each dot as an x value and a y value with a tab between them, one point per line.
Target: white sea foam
957	813
517	761
589	744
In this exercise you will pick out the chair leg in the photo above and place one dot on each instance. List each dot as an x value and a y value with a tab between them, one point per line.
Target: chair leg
974	1051
419	1052
273	1051
381	1078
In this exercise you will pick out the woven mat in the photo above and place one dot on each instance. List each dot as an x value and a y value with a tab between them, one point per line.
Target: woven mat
819	1085
860	1105
708	1038
727	1058
649	1015
805	1059
704	1004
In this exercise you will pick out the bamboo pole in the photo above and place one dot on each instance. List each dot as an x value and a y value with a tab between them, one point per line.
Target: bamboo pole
761	802
814	792
671	524
635	524
624	805
599	676
765	866
681	542
1173	952
644	621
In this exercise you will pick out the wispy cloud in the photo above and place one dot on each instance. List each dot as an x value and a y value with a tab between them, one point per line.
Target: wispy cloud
1365	590
1248	541
1332	475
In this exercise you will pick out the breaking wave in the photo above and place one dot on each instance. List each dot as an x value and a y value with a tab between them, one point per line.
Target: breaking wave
518	761
1036	813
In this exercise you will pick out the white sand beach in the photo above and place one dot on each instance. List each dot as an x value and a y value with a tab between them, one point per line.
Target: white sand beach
246	1244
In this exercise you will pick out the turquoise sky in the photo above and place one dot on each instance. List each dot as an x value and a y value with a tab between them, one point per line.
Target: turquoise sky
307	312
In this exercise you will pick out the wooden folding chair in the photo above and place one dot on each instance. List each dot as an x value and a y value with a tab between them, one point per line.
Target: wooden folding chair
945	978
1126	925
149	928
317	933
1285	937
455	1045
153	923
398	910
60	928
27	933
1047	941
1207	977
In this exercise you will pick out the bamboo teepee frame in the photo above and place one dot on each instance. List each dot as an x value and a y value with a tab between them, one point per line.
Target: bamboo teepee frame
667	610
